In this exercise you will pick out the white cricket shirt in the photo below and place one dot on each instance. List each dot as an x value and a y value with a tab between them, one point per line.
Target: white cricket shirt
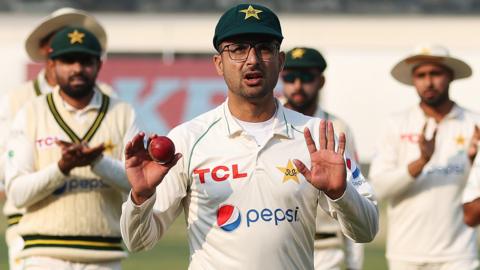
246	206
425	215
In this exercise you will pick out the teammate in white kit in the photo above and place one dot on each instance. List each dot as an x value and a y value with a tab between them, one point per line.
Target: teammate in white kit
246	204
36	45
303	78
421	166
65	164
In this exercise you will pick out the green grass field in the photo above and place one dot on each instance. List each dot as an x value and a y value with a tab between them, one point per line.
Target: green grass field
172	252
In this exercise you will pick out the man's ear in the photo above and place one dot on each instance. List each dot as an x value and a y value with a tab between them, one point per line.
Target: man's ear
100	64
281	60
50	63
322	81
218	62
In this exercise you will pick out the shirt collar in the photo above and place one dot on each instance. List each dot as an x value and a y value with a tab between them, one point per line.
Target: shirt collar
454	113
94	104
280	123
43	84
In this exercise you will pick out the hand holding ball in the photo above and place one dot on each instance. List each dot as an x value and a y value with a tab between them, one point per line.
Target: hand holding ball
161	149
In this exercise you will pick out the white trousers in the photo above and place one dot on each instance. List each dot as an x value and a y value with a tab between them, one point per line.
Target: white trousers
453	265
15	245
47	263
328	259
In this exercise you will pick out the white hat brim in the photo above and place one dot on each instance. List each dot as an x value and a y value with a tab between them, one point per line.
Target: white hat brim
71	18
402	71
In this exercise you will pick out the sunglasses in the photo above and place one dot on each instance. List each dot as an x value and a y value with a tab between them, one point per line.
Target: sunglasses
303	76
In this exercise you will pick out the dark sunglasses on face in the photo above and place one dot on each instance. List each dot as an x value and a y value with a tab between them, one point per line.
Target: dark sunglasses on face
303	76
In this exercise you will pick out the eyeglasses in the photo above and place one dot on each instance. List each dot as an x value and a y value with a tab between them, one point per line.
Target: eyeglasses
239	51
303	76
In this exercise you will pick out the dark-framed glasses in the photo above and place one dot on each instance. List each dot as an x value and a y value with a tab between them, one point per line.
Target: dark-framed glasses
239	51
303	76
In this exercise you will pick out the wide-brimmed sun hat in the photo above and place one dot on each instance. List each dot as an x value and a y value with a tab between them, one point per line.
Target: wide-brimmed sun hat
436	54
57	20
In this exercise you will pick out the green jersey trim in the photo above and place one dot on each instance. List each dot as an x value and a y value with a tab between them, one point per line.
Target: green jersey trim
70	133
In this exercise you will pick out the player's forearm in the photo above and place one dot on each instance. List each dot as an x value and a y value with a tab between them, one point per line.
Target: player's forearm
27	189
113	172
138	225
357	215
389	183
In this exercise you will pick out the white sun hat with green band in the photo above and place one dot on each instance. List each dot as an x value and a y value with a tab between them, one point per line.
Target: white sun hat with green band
429	53
57	20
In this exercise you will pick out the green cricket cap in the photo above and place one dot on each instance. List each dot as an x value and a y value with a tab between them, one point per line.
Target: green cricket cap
247	19
303	57
74	40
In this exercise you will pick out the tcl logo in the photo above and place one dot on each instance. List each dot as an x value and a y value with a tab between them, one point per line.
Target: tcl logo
46	142
219	173
413	138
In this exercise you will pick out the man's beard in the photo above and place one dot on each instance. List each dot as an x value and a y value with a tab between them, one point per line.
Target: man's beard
78	91
303	106
436	102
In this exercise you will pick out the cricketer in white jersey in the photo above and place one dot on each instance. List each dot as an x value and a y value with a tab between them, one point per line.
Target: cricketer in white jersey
236	175
36	45
247	198
421	166
303	80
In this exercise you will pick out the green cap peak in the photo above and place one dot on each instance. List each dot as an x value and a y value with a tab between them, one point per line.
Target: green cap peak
247	19
303	57
74	40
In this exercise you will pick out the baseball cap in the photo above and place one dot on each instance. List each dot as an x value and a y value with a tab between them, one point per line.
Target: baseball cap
247	19
303	57
74	40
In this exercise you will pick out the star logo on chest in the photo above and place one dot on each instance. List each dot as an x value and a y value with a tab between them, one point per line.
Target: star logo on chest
109	146
251	12
289	173
460	140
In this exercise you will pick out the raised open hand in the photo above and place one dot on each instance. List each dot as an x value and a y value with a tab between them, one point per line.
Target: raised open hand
143	173
327	172
473	146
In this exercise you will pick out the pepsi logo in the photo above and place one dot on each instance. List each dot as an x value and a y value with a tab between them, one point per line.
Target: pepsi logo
228	217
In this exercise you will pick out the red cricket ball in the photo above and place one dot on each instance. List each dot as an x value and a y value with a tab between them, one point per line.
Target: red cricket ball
161	149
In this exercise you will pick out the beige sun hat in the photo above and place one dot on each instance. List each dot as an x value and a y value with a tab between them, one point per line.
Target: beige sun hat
402	71
58	19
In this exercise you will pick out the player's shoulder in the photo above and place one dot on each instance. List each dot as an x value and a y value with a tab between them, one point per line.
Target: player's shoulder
200	124
23	91
297	121
412	113
467	114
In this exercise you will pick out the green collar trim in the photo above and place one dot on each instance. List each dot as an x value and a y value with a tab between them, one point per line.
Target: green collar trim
70	133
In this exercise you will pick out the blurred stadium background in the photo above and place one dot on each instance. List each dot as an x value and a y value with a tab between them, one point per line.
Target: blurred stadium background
160	60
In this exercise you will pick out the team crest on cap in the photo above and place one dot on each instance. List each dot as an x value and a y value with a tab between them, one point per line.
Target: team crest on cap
76	36
425	50
289	172
251	12
298	53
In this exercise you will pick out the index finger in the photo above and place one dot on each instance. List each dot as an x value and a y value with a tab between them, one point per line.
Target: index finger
135	144
62	143
309	141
